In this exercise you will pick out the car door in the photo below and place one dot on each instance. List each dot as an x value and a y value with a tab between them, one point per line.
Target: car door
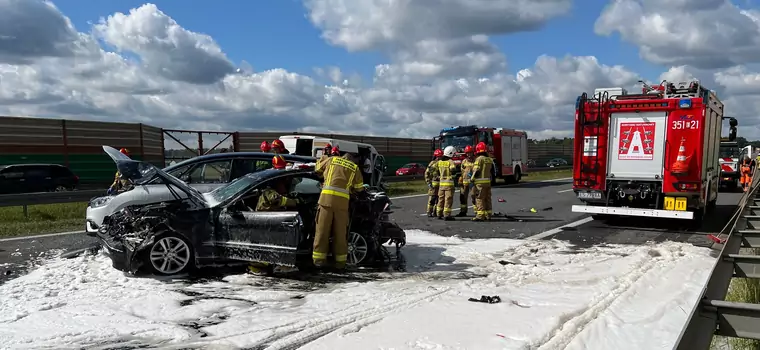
37	179
243	234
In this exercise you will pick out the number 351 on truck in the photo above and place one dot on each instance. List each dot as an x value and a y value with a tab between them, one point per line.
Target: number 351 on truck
653	154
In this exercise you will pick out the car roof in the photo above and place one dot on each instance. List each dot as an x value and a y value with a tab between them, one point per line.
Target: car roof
231	155
272	173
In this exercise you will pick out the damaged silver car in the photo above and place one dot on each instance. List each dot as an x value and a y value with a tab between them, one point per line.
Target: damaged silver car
206	229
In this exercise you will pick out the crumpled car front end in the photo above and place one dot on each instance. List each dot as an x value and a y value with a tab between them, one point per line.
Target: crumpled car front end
127	234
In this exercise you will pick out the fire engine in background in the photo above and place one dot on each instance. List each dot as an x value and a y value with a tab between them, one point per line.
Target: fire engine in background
507	147
653	154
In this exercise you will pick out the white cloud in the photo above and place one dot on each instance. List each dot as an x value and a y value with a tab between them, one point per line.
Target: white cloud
442	70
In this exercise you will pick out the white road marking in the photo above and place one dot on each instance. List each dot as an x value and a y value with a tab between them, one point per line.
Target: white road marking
453	209
40	236
563	191
557	230
502	186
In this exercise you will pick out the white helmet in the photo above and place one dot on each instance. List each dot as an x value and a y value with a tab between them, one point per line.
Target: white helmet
449	151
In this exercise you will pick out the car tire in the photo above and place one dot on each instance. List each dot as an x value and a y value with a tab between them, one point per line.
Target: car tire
170	254
361	249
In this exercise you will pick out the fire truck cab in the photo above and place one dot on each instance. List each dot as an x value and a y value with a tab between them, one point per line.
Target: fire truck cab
507	147
653	154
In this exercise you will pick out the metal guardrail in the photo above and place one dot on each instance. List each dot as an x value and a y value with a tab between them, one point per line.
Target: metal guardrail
25	199
712	315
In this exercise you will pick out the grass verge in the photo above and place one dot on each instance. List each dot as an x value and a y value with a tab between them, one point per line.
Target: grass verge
419	187
42	219
742	290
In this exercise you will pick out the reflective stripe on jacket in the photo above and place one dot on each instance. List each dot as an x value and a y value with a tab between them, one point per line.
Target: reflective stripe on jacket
341	179
270	200
481	170
446	170
466	169
431	173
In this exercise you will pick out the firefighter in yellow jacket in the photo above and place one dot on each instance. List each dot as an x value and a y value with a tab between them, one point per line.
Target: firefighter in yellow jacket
431	179
464	181
342	178
327	152
446	169
481	178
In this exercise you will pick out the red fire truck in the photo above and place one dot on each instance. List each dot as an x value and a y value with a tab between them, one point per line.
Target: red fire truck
653	154
507	147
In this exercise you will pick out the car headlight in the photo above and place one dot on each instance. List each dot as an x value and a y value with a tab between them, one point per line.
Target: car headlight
100	201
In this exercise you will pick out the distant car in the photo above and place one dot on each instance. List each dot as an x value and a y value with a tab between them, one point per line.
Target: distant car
415	169
203	173
28	178
556	162
192	229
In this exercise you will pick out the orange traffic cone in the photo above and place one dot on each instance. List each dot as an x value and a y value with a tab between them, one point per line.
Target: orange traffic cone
680	167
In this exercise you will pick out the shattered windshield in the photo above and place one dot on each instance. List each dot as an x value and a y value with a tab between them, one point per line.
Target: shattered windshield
458	141
236	187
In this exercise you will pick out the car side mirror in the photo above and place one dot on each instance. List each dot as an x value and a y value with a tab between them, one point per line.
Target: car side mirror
235	213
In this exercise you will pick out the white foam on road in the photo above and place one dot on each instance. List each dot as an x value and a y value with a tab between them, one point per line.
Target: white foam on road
554	296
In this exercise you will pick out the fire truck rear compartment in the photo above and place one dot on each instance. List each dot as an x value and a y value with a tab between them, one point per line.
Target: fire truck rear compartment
636	149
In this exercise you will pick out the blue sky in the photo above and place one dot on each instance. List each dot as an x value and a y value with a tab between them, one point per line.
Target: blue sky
276	34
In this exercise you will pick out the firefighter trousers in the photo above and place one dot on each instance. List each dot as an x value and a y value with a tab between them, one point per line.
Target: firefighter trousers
483	208
432	205
445	201
331	223
465	192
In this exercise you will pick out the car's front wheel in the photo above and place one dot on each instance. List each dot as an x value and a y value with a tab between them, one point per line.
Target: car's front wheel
170	254
360	249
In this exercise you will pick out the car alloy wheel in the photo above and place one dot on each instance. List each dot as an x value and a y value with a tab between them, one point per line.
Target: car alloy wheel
169	255
60	188
358	248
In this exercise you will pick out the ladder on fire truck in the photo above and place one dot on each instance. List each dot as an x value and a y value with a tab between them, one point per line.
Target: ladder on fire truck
588	172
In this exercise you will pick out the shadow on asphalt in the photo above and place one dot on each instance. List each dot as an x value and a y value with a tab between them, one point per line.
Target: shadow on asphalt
713	222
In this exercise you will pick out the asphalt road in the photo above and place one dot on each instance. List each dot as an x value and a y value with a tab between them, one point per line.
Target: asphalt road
552	201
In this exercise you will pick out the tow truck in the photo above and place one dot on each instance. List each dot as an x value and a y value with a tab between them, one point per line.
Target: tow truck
653	154
507	147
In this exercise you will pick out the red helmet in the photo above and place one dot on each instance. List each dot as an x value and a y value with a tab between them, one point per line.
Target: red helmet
265	147
124	151
279	162
438	153
468	149
481	147
335	150
277	144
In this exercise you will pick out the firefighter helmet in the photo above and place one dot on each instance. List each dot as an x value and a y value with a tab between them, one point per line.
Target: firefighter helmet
278	162
438	153
124	151
468	149
481	147
278	145
265	147
449	151
335	150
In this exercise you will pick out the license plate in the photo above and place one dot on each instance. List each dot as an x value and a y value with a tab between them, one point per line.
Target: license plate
589	195
675	203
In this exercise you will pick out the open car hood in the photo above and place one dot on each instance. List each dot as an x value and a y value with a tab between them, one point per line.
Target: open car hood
141	173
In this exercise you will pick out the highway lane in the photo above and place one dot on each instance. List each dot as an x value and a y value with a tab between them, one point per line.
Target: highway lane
551	199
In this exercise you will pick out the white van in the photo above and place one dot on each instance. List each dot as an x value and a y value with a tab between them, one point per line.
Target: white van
313	146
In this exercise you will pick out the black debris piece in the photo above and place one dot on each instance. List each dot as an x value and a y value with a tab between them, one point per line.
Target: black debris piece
486	299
